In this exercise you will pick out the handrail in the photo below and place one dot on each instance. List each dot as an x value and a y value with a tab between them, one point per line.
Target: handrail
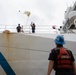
27	28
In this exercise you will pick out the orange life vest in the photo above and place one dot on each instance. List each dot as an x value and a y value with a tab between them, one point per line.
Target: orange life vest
63	60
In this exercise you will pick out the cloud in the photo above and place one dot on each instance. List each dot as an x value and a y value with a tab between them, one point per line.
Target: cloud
43	12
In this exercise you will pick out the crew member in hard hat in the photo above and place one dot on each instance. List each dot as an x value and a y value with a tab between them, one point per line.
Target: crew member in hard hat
61	59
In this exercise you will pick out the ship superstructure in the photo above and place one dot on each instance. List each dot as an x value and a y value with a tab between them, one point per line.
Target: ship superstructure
69	24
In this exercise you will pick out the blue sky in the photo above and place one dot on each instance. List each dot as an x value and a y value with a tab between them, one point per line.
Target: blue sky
43	12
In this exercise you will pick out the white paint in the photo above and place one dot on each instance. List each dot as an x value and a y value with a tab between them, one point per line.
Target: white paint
28	54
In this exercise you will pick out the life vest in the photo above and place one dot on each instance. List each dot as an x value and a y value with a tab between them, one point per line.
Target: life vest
63	59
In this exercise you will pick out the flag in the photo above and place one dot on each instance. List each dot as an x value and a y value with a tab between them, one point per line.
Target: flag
27	13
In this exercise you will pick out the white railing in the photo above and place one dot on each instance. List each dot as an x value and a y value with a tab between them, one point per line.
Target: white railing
27	28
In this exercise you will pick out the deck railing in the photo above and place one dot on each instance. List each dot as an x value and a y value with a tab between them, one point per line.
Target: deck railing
27	28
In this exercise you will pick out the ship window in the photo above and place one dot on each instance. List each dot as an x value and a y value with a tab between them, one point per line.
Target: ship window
75	8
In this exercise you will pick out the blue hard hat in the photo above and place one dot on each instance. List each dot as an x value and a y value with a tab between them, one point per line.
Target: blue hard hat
59	40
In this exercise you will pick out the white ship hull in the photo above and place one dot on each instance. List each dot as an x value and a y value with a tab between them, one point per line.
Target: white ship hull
27	54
